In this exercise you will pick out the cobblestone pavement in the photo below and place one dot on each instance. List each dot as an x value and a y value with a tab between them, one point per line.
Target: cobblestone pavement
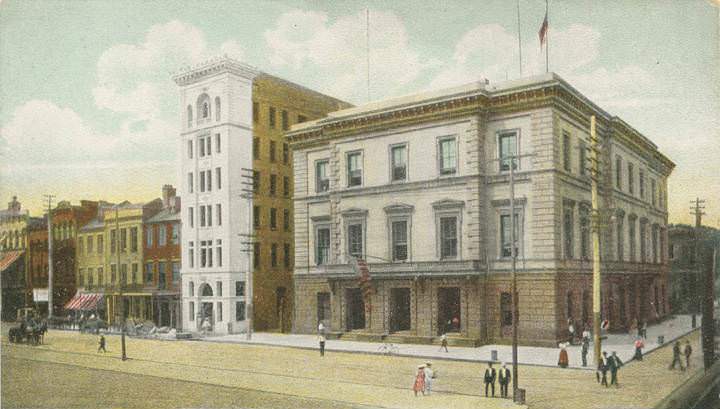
301	378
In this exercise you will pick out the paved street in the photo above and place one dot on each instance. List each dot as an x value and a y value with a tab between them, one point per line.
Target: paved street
204	374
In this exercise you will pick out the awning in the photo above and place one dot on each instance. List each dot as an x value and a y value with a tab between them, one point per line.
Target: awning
9	258
84	302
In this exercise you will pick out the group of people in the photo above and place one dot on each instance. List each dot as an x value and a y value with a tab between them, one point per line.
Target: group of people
607	363
424	379
503	377
687	351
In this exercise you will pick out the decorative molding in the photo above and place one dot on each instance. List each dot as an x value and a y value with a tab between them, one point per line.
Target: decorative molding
399	208
449	204
354	212
519	201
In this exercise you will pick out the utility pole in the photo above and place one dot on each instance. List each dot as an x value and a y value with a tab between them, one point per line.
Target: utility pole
595	219
120	287
697	211
249	237
704	261
50	198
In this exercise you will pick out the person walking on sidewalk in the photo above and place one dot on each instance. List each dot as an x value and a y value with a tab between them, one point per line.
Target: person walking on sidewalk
429	377
504	379
443	342
614	363
602	370
321	340
639	345
563	360
688	352
490	376
676	357
419	385
584	351
101	344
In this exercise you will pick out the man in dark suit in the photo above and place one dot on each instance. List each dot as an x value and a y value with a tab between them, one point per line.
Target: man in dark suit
504	379
614	363
490	375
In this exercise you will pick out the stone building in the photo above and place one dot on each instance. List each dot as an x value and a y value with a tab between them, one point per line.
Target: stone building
418	187
233	122
13	261
686	276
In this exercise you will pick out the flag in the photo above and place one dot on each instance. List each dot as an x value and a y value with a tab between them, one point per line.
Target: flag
543	30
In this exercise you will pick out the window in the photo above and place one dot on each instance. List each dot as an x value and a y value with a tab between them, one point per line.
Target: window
175	272
256	112
285	120
100	243
273	255
653	191
203	254
191	311
448	156
355	240
354	169
641	185
631	179
202	181
123	240
286	153
643	241
123	274
256	217
256	255
218	178
189	117
286	220
240	311
568	232
90	277
583	159
448	237
190	182
399	235
89	240
161	275
271	117
218	285
273	185
175	234
190	149
100	276
201	146
113	241
219	311
272	151
239	288
218	214
134	239
208	178
191	254
81	276
208	209
567	150
654	238
507	149
202	216
505	234
672	251
584	232
323	307
273	218
217	109
162	235
218	252
81	248
618	172
256	181
322	182
286	255
286	186
506	314
398	158
256	148
135	278
322	245
191	217
631	237
302	118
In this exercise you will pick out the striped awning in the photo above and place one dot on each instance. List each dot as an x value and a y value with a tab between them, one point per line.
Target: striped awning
9	258
84	302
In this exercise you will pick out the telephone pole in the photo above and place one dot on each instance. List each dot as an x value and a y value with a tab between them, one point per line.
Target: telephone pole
50	198
122	282
249	243
595	219
705	260
697	208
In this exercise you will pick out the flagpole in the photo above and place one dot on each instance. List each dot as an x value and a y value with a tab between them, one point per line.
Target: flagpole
547	39
519	37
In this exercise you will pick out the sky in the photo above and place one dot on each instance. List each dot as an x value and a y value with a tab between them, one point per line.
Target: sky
88	109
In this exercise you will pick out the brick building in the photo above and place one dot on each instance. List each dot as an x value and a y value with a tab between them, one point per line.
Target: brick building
418	186
686	277
37	261
233	122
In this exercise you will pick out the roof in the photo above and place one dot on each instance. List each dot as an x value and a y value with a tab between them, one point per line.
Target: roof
93	224
169	214
9	258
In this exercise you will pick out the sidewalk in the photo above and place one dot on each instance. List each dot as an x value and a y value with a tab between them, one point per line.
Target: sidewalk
621	343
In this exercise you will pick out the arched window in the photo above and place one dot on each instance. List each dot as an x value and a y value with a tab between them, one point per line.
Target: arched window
217	108
203	107
189	116
206	290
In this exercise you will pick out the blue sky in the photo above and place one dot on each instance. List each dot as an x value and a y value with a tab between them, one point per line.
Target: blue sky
89	110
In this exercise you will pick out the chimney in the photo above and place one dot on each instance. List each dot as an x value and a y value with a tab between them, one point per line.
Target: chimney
14	205
168	196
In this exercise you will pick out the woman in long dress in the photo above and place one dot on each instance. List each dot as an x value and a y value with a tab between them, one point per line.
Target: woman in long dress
563	360
419	385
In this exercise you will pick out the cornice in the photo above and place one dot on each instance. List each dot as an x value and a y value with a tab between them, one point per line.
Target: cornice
214	66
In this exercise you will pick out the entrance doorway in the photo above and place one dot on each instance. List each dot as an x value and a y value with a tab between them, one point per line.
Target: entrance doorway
448	309
207	320
355	309
399	309
164	318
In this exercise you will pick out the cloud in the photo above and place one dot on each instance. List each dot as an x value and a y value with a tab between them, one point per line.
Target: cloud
334	52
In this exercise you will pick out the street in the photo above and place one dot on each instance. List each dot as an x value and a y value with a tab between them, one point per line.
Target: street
67	372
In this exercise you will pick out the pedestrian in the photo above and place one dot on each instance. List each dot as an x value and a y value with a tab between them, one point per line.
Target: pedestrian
563	360
586	333
688	352
676	357
504	379
639	345
489	379
443	342
602	369
321	339
614	363
456	324
321	328
419	385
429	377
585	348
571	331
101	344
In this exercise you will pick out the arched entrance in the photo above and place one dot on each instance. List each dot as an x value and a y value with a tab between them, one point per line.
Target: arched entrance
206	308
